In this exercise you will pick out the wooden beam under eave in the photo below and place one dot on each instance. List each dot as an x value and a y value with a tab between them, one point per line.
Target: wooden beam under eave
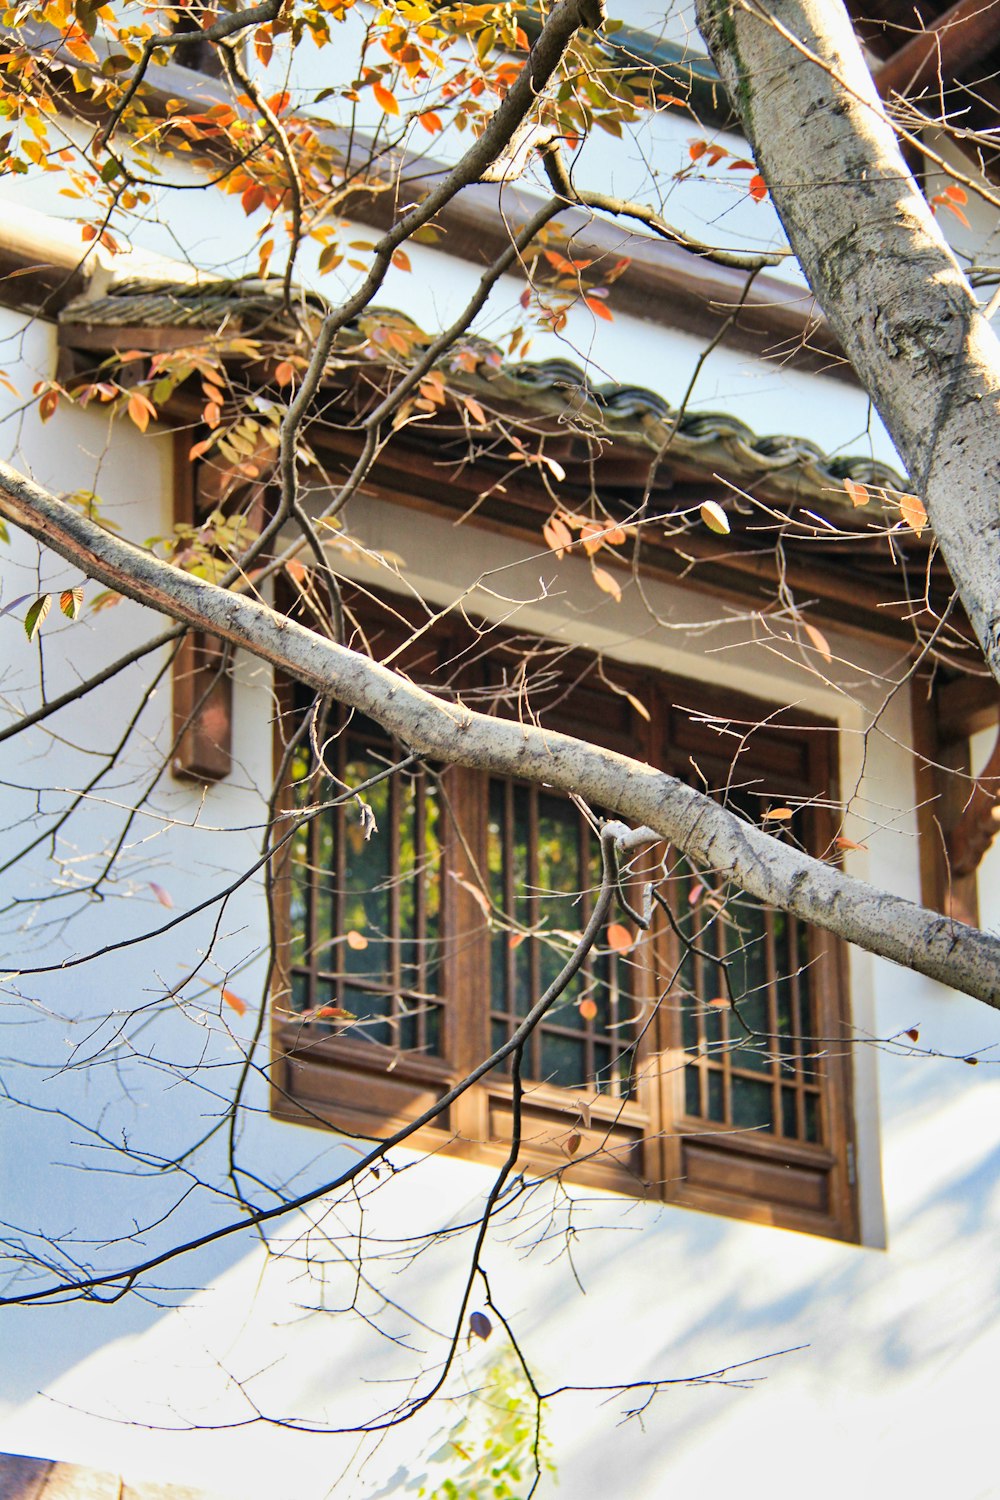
964	34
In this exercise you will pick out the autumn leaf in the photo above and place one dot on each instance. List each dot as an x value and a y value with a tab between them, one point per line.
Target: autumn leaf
235	1002
252	198
911	508
35	617
71	601
858	494
618	937
430	121
385	99
956	194
284	373
164	897
962	219
356	940
592	537
573	1143
757	188
140	409
715	517
48	404
608	582
474	409
913	1032
845	843
696	149
598	308
779	814
557	535
819	640
719	1002
401	260
588	1010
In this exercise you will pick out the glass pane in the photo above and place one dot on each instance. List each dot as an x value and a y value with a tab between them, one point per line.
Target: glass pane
812	1119
692	1099
716	1096
752	1105
789	1119
563	1061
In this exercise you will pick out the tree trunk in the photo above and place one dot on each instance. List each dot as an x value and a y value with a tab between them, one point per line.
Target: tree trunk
879	266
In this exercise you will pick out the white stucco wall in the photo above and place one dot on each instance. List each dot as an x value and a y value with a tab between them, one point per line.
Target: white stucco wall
891	1345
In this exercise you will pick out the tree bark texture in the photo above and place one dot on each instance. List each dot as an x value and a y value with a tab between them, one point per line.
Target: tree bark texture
879	267
716	839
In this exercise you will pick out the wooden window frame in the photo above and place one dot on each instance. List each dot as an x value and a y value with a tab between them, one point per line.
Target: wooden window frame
643	1145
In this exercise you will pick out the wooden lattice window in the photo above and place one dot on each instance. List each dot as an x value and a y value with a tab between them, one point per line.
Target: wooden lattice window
365	896
432	940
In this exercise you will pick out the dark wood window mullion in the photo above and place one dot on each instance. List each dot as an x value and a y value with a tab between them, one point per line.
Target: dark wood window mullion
395	965
510	952
335	956
701	1018
419	880
725	1029
774	1039
589	971
797	1032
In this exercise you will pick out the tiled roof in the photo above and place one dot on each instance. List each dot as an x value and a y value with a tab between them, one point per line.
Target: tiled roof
786	467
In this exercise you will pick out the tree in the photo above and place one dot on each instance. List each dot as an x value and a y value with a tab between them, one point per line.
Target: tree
863	234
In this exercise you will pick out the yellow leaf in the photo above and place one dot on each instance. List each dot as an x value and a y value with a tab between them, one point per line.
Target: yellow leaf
607	582
715	517
911	508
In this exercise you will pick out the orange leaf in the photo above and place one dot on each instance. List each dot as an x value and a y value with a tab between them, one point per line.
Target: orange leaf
779	814
911	508
557	535
956	194
284	373
600	309
913	1032
235	1002
252	198
757	188
607	582
618	937
696	149
474	409
960	216
140	409
819	640
385	99
846	843
719	1002
297	571
430	121
48	404
592	538
357	941
401	260
263	45
857	492
588	1010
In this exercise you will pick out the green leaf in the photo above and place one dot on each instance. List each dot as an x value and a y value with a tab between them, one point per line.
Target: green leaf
36	615
110	170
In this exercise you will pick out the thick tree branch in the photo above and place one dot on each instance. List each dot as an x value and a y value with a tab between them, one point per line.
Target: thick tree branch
716	839
879	266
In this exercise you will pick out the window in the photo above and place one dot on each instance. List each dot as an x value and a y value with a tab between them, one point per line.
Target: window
408	956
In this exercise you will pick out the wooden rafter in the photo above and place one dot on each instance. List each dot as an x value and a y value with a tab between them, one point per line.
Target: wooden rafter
956	40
